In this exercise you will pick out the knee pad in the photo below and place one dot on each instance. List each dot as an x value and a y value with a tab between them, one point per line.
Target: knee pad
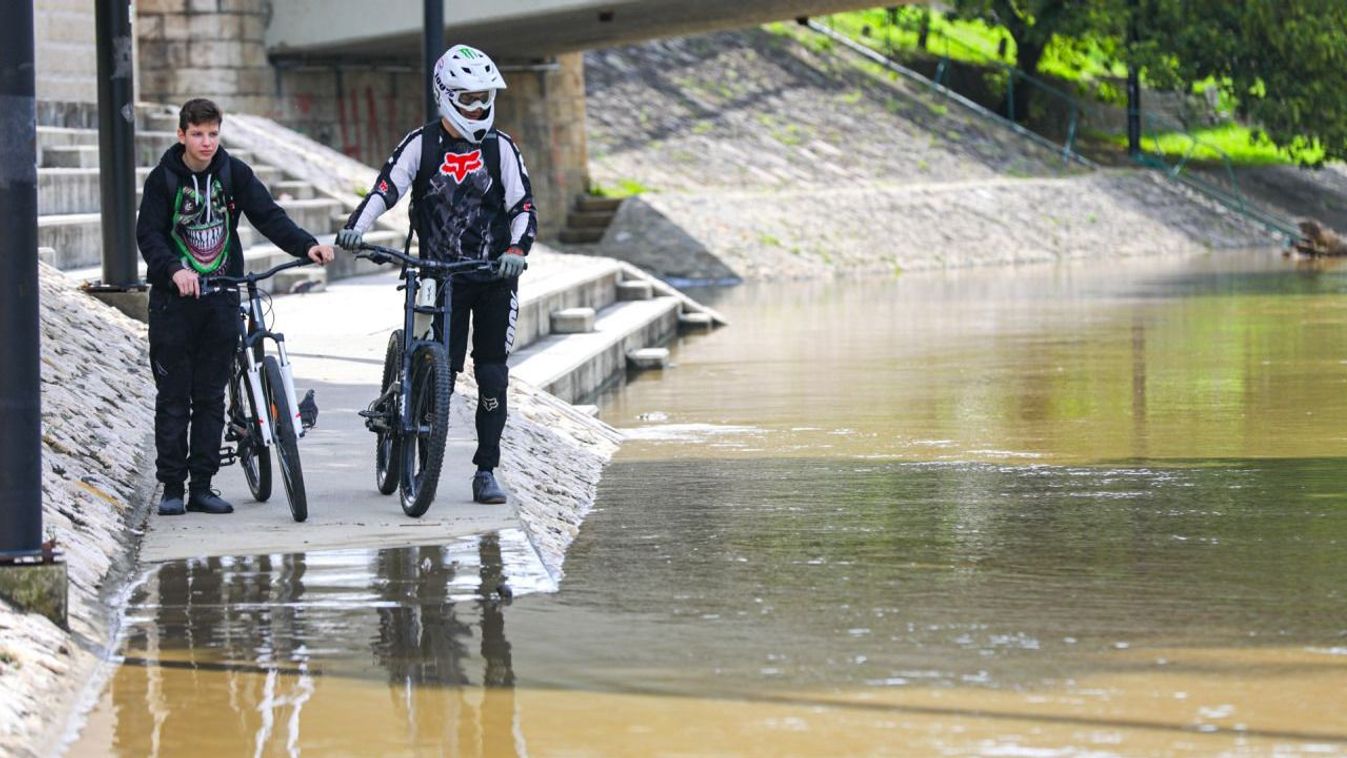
492	381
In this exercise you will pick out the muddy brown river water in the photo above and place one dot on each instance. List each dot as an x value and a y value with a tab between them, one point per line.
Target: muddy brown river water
1087	509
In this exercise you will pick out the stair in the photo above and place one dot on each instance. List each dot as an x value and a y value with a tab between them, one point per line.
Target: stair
589	219
573	363
70	199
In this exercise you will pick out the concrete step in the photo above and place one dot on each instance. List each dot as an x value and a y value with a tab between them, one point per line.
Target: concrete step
585	283
589	219
594	203
575	366
294	189
646	358
581	236
573	321
69	156
634	290
77	190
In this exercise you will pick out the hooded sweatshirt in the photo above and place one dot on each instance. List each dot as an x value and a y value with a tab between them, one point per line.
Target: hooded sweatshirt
196	224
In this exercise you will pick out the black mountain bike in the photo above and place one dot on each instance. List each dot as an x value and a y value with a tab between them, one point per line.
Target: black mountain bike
263	414
410	418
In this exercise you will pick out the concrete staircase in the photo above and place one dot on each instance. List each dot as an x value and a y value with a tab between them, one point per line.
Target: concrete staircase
70	226
581	325
589	219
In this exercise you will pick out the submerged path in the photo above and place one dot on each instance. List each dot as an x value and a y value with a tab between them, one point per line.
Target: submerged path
337	340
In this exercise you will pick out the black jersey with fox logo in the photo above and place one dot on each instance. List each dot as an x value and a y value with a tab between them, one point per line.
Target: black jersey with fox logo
476	199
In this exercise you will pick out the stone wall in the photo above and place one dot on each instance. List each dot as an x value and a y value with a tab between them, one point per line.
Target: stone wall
205	48
66	51
215	49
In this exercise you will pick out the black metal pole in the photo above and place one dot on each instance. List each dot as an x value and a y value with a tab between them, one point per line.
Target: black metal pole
20	377
116	143
1133	87
431	48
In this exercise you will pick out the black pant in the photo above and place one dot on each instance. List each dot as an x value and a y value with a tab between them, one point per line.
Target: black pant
494	306
192	346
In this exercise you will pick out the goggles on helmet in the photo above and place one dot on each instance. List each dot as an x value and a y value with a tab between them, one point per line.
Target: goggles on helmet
477	100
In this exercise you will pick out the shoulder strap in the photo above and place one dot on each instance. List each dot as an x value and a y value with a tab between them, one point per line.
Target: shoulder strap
430	146
491	157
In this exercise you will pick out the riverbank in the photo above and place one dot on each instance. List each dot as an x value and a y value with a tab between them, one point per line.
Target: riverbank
98	401
764	155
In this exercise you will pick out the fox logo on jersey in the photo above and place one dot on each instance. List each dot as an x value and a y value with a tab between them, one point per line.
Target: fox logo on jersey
459	165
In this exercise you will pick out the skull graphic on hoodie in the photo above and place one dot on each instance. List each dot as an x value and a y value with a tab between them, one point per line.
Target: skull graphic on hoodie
201	225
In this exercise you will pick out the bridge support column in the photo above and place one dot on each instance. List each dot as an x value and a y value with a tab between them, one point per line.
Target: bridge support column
544	111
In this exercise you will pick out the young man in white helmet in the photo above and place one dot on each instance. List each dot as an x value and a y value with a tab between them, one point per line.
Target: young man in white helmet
471	199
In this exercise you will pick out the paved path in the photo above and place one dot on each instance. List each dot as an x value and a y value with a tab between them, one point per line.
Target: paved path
337	340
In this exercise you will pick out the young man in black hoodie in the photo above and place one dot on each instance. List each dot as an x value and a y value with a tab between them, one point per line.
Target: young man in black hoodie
188	228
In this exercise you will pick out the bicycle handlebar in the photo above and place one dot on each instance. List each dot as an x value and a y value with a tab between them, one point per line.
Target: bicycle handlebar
219	282
374	252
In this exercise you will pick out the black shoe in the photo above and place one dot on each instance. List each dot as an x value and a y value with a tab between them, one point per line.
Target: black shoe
208	501
485	489
171	505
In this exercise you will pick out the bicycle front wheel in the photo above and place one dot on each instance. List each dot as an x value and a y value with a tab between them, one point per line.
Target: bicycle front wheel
423	448
284	438
388	443
254	457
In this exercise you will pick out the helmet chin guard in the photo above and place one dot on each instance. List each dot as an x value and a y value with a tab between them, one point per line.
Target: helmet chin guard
462	70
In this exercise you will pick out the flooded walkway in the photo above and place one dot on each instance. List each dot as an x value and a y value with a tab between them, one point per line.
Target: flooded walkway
1075	510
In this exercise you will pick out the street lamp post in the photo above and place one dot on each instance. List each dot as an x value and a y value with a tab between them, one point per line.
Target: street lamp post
431	47
30	576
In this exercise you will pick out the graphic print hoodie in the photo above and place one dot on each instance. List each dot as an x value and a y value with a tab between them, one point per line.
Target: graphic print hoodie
193	222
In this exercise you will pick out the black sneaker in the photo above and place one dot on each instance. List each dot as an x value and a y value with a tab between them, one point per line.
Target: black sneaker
171	505
485	489
208	501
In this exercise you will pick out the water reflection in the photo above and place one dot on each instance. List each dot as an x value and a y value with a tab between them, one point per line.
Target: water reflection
289	652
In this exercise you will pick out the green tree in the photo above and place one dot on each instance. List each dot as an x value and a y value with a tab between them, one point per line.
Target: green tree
1282	62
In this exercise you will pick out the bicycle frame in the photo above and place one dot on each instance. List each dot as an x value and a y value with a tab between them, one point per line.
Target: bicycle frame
411	274
252	350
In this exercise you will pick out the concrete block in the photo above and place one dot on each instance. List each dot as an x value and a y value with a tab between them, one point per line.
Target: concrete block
134	303
144	7
292	189
594	203
47	255
648	358
695	320
37	588
573	321
634	290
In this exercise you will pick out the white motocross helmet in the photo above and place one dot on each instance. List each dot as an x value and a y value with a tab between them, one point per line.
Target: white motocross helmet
466	81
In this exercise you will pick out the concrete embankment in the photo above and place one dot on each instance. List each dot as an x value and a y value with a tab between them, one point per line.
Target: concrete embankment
97	422
772	155
98	400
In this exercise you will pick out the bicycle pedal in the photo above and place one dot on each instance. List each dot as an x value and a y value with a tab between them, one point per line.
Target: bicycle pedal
228	456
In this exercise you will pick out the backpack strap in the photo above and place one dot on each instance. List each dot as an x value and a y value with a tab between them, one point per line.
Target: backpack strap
430	161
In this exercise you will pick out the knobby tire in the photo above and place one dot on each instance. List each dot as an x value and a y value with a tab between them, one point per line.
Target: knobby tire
423	452
284	439
388	444
254	457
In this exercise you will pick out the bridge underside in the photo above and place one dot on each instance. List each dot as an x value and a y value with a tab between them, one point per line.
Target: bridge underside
541	32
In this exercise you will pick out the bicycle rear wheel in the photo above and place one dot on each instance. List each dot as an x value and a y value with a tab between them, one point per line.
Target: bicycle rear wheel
284	438
254	457
423	450
388	443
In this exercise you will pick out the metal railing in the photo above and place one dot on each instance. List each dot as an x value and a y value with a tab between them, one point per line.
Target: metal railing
1220	186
